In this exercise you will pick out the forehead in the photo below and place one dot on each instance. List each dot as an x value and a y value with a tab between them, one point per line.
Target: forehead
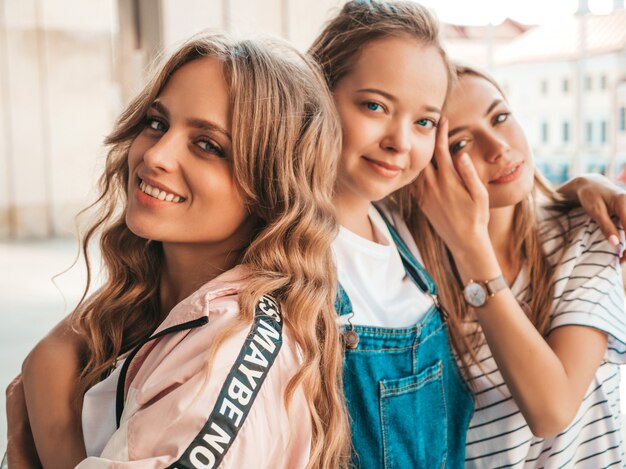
403	67
471	93
199	89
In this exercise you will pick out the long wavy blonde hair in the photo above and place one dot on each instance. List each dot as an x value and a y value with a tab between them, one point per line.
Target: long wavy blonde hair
526	241
286	141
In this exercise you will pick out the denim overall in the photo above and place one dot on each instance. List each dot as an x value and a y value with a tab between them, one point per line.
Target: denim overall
409	407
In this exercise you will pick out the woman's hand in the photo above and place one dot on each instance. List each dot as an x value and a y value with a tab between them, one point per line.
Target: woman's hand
21	451
456	202
600	198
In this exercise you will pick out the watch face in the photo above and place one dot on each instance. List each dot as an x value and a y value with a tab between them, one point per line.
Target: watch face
475	294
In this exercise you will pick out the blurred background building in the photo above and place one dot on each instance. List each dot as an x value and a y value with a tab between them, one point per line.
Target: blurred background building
67	67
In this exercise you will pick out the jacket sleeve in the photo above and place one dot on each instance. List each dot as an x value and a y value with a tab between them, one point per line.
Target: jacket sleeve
175	391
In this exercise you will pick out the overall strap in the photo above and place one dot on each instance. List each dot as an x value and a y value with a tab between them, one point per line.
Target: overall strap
241	387
343	305
415	270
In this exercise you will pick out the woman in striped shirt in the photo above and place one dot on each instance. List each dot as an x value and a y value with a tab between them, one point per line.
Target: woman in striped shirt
533	289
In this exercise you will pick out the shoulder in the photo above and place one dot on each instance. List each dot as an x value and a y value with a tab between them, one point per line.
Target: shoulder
571	234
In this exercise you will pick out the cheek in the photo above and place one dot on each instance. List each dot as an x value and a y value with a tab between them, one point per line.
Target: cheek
423	151
135	152
355	130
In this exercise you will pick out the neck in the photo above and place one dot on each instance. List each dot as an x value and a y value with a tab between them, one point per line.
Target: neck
501	235
352	213
187	267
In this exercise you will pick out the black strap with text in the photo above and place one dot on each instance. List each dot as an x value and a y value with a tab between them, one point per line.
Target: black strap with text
239	391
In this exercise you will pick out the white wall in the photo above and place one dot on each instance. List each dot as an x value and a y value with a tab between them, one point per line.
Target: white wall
57	98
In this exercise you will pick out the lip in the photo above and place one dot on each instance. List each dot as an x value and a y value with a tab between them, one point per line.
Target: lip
383	168
508	173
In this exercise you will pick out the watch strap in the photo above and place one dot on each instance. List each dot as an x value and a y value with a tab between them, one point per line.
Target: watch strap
494	285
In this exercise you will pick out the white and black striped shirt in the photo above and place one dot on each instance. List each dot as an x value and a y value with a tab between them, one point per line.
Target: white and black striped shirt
588	292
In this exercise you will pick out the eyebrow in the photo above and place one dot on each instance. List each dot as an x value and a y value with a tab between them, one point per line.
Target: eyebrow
391	98
491	107
193	122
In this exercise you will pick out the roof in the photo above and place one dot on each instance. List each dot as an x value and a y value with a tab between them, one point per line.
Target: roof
561	41
508	29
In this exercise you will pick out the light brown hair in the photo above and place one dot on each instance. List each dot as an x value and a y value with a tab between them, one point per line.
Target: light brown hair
440	264
286	141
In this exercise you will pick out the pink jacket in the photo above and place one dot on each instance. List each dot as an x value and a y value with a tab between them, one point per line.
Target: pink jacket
170	390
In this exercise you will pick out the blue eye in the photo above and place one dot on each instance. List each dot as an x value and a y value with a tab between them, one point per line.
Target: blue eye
210	147
372	106
429	123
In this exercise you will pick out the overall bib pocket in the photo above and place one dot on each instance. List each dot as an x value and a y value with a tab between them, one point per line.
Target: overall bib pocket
414	420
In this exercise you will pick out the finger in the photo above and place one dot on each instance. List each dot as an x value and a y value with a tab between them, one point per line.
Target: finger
599	212
469	177
442	159
619	209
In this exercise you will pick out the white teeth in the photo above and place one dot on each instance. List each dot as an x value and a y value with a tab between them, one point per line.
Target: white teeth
158	194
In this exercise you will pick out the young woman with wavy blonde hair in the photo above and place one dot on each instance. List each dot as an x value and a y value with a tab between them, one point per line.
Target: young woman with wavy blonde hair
216	193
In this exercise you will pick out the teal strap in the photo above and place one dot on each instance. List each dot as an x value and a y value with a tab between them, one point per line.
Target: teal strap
417	272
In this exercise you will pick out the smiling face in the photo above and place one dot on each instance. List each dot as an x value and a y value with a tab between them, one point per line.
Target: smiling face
481	125
389	104
181	187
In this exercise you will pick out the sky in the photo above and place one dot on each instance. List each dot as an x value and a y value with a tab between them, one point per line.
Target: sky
524	11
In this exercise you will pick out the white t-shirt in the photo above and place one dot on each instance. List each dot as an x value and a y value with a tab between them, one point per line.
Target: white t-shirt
99	419
588	292
373	276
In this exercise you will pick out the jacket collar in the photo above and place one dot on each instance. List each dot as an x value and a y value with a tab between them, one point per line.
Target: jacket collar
196	305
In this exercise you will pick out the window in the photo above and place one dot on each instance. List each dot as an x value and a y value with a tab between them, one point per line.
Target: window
565	85
544	132
622	119
544	87
588	83
565	132
603	127
589	132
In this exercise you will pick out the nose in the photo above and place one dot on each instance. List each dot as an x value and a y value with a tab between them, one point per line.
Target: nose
397	137
495	146
163	153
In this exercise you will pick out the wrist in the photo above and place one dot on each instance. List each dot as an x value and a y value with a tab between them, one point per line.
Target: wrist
477	261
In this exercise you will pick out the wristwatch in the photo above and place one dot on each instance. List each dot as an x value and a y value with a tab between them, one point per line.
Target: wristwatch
476	293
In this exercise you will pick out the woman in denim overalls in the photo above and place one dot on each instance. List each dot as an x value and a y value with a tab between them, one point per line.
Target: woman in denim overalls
389	76
408	404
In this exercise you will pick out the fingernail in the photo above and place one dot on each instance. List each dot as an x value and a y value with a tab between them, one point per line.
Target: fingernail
464	159
614	240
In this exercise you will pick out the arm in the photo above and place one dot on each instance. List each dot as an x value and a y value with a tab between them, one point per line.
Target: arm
21	452
600	198
547	379
50	374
